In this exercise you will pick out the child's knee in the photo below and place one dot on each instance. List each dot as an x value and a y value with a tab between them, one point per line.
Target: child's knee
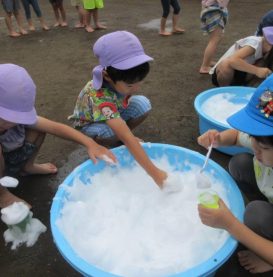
139	105
35	137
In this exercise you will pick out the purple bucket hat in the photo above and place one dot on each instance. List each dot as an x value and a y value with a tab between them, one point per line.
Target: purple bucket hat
121	50
268	34
17	95
256	118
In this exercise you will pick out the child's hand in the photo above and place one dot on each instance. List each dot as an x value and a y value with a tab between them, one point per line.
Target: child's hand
100	152
217	218
160	177
263	72
211	136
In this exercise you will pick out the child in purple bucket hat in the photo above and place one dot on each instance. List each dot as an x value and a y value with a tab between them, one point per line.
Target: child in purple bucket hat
254	176
108	107
246	59
22	131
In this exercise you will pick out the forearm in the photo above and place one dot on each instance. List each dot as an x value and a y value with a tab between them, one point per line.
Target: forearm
63	131
140	155
242	65
259	245
228	138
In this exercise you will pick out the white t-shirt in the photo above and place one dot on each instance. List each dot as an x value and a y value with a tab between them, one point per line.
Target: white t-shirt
252	41
264	174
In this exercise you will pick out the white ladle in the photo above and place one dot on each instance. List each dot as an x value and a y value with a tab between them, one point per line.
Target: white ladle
8	182
202	180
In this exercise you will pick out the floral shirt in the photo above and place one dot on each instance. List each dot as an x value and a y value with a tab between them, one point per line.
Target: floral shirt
97	105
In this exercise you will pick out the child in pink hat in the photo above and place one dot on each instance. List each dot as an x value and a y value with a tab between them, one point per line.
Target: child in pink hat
22	131
116	81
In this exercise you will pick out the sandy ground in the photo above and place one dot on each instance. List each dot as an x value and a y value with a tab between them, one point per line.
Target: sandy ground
60	62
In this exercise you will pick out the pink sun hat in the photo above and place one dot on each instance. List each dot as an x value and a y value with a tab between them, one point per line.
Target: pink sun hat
121	50
17	95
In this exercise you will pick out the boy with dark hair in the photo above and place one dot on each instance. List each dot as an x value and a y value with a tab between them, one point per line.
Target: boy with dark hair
253	173
123	65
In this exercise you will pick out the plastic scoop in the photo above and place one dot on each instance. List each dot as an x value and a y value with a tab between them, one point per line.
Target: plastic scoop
202	180
9	182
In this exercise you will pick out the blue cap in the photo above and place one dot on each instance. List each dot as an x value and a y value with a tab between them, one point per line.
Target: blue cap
256	118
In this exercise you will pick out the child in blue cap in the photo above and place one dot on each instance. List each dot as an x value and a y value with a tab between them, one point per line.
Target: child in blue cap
254	176
108	107
22	131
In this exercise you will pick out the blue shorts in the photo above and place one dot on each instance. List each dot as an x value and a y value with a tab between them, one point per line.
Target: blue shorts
11	6
138	106
16	159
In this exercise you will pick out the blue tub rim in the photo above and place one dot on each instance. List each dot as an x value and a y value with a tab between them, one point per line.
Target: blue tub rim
79	264
198	101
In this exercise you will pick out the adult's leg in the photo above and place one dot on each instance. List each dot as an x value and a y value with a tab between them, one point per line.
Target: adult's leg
214	38
258	217
30	167
242	170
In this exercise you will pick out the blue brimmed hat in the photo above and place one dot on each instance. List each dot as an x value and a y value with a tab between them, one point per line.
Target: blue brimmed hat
256	118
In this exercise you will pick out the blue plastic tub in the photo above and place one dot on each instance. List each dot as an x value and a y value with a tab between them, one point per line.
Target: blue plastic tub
206	122
176	155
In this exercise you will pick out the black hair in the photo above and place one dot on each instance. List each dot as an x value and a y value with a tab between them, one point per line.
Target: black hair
267	140
129	76
269	59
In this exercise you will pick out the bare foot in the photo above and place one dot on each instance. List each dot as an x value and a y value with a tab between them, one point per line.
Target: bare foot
89	29
45	27
31	28
204	69
14	34
45	168
100	27
79	25
178	31
23	32
64	24
253	263
212	63
57	24
7	198
165	33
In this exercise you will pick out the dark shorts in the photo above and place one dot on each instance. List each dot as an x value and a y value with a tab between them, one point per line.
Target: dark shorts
56	2
239	78
16	159
11	6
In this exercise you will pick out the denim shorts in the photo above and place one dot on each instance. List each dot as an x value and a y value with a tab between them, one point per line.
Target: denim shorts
16	159
138	106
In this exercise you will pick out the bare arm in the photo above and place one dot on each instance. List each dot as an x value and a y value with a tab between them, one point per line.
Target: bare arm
237	61
66	132
126	136
228	137
224	219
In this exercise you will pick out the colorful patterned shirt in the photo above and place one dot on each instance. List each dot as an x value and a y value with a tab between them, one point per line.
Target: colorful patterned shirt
97	105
